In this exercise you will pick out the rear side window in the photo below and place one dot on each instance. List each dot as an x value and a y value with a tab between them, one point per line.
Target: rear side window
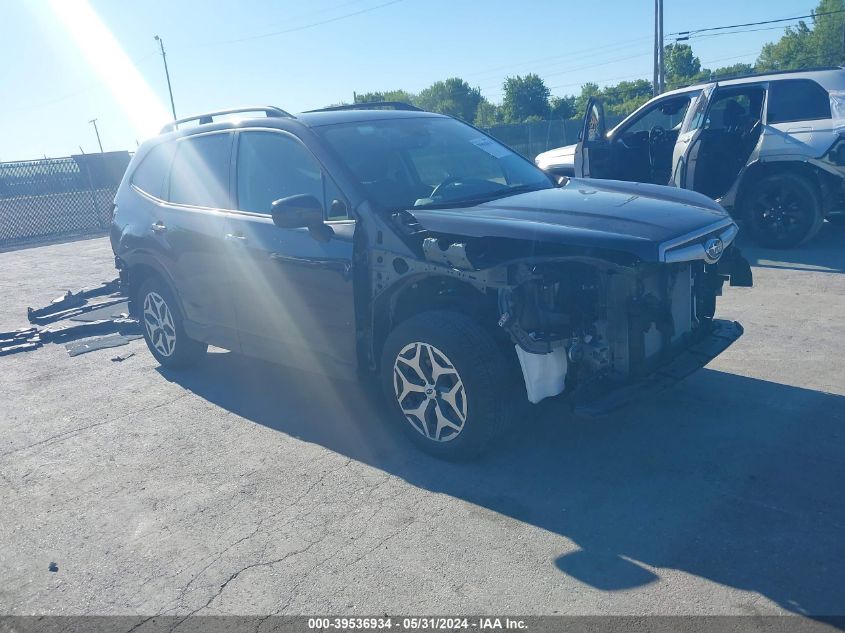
150	174
797	100
200	173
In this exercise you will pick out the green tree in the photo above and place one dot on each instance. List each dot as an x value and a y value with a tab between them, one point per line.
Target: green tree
388	95
725	72
626	96
588	90
487	114
805	46
562	107
525	97
682	66
453	96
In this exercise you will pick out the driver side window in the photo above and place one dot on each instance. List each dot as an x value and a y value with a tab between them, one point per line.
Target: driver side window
667	114
273	166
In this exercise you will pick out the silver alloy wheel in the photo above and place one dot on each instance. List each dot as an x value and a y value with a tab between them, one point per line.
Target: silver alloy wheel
430	392
159	323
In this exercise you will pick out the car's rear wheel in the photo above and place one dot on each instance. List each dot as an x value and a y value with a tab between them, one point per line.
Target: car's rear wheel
783	210
447	384
164	332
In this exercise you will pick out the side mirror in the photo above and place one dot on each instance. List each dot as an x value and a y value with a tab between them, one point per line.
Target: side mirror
301	211
294	212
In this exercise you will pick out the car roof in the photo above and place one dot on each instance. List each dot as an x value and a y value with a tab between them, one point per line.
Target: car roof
317	118
312	119
829	78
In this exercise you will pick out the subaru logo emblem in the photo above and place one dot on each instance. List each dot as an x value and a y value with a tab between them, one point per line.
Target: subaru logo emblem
713	249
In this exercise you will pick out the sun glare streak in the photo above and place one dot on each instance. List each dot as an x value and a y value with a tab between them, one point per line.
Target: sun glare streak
104	53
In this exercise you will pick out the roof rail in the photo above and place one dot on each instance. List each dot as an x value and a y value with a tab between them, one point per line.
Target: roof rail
371	105
208	117
759	75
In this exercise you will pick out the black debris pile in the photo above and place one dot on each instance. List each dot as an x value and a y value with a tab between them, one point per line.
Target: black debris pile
98	312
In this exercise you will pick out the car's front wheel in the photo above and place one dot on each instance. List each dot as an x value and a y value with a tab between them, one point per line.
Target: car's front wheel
163	328
783	210
447	384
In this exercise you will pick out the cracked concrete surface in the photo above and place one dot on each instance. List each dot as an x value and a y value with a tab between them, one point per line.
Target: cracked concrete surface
240	487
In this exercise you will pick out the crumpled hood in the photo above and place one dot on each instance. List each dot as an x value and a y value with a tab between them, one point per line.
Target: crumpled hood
608	214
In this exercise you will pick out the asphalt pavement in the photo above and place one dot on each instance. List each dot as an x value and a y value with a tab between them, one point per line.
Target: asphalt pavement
241	487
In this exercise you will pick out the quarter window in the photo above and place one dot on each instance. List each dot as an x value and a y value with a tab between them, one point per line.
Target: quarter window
273	166
200	173
149	176
797	100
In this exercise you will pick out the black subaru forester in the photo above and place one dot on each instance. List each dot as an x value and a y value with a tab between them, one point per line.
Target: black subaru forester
414	246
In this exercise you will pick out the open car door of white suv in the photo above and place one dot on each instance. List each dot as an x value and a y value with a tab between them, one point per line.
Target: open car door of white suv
593	149
685	154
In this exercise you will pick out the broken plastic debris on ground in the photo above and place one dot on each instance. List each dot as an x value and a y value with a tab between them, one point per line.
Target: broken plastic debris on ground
99	316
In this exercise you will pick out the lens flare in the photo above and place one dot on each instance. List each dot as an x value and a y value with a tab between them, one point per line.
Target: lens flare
107	59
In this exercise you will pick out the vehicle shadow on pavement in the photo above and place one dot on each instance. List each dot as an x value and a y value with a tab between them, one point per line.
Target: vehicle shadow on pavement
728	478
824	253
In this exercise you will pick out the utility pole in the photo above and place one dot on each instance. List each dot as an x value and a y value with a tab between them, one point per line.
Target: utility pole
167	74
97	132
662	66
659	79
655	83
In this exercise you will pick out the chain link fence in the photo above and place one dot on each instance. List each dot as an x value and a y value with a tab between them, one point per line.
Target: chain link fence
42	199
530	139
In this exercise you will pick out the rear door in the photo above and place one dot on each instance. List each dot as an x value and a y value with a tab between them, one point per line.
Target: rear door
684	156
798	119
293	294
192	223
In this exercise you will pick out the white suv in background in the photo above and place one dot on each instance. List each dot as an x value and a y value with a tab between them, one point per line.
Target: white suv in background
767	147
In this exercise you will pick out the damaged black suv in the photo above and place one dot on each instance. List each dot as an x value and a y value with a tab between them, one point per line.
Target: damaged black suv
414	246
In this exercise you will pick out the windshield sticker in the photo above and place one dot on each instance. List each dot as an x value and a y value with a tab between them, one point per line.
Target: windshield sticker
491	147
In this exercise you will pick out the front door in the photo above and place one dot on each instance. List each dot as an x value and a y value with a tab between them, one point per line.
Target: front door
294	297
684	156
593	152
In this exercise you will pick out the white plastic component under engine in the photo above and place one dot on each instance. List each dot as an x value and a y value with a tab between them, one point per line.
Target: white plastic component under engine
545	374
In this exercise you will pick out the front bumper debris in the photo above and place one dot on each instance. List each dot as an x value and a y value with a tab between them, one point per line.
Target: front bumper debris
687	361
74	306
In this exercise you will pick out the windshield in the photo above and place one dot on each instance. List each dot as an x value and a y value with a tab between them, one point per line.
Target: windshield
431	162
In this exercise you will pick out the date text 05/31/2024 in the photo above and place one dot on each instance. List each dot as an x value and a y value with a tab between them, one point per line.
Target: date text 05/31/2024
417	623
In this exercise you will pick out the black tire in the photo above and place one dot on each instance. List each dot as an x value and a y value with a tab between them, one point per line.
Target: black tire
783	210
465	353
166	336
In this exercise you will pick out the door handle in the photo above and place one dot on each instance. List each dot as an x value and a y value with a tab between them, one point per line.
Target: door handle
236	237
159	227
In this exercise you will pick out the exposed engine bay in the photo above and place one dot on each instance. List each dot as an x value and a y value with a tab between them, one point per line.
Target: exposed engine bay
586	322
604	325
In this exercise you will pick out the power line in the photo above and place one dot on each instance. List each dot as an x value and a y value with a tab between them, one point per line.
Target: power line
303	27
588	66
767	28
587	52
99	82
638	76
736	26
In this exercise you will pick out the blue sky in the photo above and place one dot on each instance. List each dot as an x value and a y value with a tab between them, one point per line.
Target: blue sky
50	89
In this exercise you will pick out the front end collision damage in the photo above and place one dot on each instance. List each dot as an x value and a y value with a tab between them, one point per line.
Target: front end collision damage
581	321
